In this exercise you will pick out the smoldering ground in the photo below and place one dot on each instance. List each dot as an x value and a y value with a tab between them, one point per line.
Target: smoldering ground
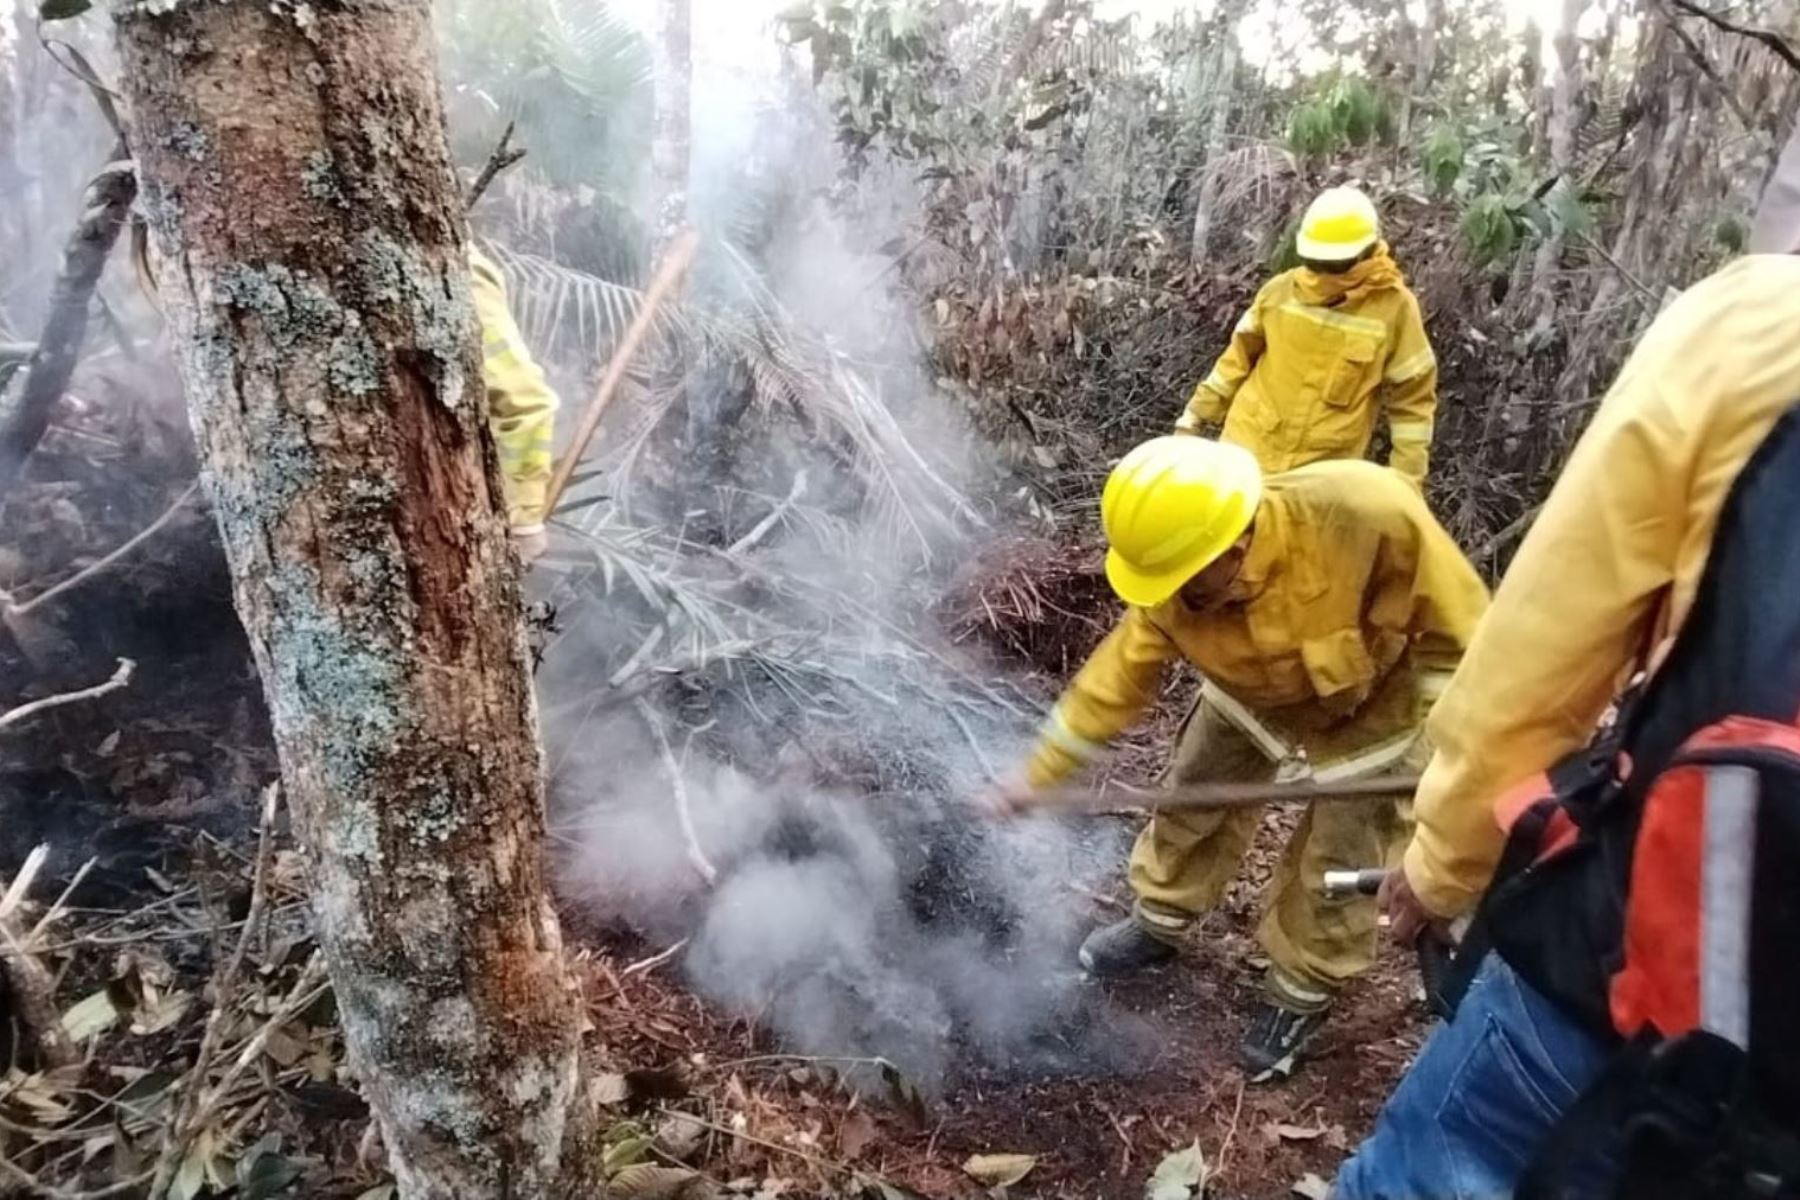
885	925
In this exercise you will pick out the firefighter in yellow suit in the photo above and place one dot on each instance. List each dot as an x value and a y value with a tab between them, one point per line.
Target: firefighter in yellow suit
1324	349
521	407
1324	606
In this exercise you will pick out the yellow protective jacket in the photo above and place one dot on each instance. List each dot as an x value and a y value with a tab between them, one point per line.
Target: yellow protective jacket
521	405
1612	563
1350	595
1312	362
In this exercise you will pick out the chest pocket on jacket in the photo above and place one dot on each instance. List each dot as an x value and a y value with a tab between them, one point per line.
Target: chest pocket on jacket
1341	669
1350	371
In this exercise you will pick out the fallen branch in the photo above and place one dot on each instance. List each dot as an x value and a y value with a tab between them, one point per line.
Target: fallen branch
668	277
645	966
25	712
1768	37
14	611
104	206
683	809
762	527
33	987
505	155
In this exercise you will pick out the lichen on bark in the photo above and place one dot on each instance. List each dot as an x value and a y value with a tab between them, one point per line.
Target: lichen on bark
310	251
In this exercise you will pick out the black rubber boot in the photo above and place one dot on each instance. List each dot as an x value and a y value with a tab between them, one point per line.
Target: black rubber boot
1123	948
1278	1039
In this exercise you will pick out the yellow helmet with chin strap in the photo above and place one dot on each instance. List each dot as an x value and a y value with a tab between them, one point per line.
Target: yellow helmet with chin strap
1338	226
1171	507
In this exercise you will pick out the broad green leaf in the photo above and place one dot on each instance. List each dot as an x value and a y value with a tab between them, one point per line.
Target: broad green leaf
60	10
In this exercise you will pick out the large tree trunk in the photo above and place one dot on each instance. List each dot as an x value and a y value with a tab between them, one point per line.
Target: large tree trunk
310	247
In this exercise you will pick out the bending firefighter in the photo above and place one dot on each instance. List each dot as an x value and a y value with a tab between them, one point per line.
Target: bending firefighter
1324	348
1323	606
521	408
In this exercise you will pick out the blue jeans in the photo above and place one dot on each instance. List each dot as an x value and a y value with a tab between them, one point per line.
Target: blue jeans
1470	1115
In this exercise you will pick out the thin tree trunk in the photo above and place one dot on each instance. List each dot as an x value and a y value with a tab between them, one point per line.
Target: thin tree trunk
104	206
1224	90
1564	116
309	237
1424	65
672	55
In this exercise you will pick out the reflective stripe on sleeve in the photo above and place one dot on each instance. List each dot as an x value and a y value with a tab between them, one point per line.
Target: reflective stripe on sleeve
1411	368
1412	433
1058	733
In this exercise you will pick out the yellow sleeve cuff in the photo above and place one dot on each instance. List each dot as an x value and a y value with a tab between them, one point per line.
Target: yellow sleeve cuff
1436	886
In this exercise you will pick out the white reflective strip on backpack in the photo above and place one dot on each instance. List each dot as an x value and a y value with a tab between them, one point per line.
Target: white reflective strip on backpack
1727	882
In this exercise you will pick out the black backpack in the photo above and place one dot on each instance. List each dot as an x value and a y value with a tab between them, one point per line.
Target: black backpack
1653	890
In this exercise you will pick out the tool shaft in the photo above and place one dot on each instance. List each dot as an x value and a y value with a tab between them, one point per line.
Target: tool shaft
1228	795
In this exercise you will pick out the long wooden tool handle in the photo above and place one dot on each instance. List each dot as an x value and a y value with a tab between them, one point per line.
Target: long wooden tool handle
668	275
1227	795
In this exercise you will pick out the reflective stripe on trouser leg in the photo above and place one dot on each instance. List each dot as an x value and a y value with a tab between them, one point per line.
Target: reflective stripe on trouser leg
1317	943
1727	866
1184	860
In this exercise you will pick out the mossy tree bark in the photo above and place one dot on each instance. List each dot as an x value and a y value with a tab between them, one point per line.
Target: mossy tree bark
309	241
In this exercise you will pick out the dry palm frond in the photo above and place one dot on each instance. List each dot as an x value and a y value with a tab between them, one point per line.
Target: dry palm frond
1249	178
559	306
788	371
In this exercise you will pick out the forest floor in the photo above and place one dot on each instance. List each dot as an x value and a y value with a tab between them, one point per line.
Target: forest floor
1088	1136
161	784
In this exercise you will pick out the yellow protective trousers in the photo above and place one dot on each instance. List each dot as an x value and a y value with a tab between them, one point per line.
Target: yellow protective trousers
1184	860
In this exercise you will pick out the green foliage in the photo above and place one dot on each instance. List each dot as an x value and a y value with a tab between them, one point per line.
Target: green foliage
884	64
58	10
1351	112
1443	159
1357	112
1569	212
1490	229
572	74
1313	130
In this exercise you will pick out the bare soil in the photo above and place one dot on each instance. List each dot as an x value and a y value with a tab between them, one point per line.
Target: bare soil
1092	1136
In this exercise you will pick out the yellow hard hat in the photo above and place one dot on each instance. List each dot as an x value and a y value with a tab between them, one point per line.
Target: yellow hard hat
1172	506
1339	225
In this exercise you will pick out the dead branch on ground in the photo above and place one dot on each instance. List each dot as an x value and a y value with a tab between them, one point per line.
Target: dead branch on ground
24	609
33	987
683	808
25	712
